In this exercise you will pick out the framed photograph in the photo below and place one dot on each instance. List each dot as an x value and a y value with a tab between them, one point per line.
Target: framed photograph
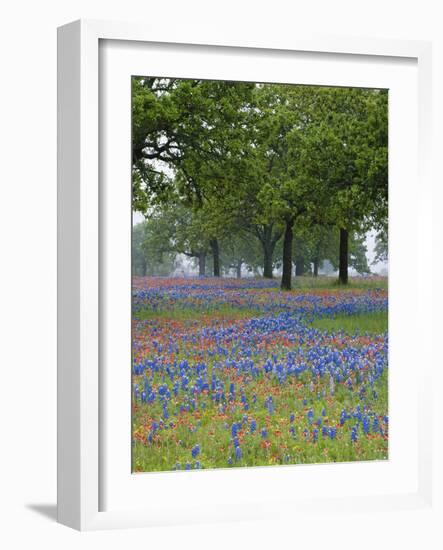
236	221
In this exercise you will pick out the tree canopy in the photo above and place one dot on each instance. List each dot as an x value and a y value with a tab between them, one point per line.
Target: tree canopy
260	177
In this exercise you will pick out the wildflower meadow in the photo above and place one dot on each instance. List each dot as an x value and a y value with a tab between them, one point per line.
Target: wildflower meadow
230	373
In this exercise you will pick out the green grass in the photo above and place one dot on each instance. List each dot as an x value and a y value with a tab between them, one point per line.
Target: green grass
331	283
373	323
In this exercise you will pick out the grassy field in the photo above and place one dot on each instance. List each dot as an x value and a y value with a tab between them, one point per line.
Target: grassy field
236	373
372	323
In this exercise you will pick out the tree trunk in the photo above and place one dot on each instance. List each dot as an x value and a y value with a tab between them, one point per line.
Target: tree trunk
299	266
287	255
268	242
144	267
202	264
213	243
316	262
343	257
238	268
267	261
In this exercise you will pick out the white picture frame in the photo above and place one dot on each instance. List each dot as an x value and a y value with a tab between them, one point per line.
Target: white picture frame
83	208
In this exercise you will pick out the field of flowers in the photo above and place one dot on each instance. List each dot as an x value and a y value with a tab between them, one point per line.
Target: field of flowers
230	373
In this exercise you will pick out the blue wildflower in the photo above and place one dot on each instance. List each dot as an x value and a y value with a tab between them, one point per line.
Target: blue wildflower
195	451
310	416
354	436
366	425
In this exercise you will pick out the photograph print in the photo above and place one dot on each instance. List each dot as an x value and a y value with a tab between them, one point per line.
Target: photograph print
259	274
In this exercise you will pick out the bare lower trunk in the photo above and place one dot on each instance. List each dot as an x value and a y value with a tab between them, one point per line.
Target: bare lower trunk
202	264
268	239
238	269
299	266
343	257
316	262
287	255
216	256
267	262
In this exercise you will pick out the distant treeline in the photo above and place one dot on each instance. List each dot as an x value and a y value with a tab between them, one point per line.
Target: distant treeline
157	250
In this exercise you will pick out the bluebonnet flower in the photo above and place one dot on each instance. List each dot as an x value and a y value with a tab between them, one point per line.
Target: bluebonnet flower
151	397
358	414
230	460
375	425
234	429
187	466
354	434
195	451
315	435
238	453
269	404
310	416
264	433
253	426
292	418
366	425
